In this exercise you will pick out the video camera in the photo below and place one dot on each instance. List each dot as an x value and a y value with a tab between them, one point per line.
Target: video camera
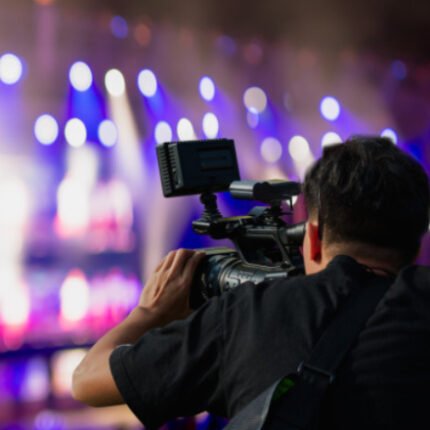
266	247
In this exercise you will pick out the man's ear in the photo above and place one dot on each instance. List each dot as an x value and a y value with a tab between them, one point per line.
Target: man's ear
314	242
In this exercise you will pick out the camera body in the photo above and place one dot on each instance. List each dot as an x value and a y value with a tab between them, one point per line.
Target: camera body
265	246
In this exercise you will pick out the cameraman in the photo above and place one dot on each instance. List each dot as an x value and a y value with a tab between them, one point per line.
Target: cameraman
368	206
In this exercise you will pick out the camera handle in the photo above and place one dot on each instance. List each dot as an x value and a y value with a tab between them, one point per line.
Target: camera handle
211	211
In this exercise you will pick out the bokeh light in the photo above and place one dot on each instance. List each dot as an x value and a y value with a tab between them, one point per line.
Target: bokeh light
75	132
119	27
253	119
330	138
298	148
80	76
185	129
210	125
115	83
163	132
330	108
271	149
255	99
147	83
207	88
108	133
11	69
390	134
46	129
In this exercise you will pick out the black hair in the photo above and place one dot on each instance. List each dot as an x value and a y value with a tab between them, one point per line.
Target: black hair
369	191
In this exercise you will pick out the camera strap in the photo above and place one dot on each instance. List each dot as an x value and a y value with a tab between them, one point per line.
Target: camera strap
294	402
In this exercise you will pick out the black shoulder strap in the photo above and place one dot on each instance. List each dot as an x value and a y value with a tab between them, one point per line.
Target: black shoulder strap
299	408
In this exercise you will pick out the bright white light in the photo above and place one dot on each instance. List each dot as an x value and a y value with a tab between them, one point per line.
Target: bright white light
75	132
73	207
10	69
108	133
15	306
207	88
271	149
255	99
298	148
147	83
80	76
115	83
390	134
330	138
185	129
330	108
74	296
163	132
210	125
46	129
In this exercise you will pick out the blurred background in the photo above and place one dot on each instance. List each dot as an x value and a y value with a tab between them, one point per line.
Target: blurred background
88	88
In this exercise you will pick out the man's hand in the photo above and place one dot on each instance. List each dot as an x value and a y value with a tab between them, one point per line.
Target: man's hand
164	298
166	294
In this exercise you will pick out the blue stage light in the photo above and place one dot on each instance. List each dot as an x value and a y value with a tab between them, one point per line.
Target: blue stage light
390	134
210	125
163	132
330	108
75	132
11	69
46	129
115	83
147	83
119	27
108	133
80	76
207	88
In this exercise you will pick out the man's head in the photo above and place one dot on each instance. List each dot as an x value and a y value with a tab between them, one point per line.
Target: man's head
368	199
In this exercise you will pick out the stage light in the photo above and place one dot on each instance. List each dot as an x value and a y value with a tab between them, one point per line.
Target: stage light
147	83
119	27
115	83
163	132
271	149
74	296
185	129
108	133
75	132
207	88
298	148
255	100
253	119
80	76
390	134
46	129
10	69
399	70
210	125
330	138
330	108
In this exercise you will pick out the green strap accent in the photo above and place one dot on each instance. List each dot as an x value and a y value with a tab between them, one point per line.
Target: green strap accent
283	387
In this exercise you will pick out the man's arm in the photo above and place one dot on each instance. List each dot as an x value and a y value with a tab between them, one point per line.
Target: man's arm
165	298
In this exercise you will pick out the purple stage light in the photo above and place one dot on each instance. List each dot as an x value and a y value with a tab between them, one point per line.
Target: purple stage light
271	149
207	88
46	129
108	133
330	108
390	134
163	132
80	76
255	100
75	132
210	125
11	69
119	27
147	83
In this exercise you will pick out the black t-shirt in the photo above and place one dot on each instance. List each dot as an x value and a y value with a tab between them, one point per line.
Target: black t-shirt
238	344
